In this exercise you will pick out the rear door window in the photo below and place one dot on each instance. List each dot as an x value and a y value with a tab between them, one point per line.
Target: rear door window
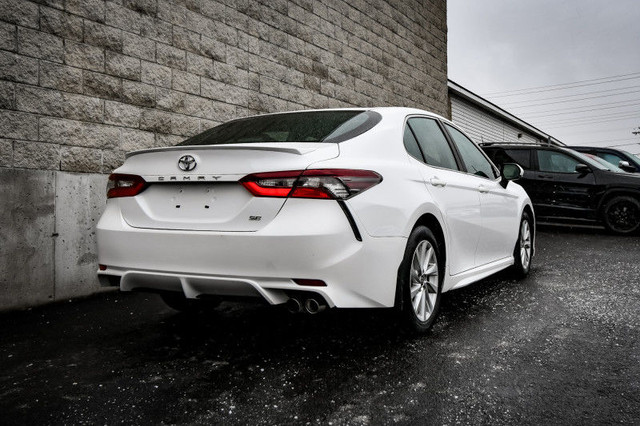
500	156
518	156
472	156
433	144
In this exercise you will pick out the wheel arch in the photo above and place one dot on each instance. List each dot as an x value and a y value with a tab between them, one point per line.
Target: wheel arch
430	221
615	192
607	199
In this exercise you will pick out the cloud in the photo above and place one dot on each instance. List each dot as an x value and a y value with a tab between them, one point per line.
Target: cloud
500	45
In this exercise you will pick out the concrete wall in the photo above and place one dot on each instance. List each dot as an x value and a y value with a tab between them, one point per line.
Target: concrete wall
84	81
482	126
47	235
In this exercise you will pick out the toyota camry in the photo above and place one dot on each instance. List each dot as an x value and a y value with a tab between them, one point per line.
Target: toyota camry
338	208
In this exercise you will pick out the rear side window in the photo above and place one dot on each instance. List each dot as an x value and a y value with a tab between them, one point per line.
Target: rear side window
307	126
518	156
411	144
433	144
473	158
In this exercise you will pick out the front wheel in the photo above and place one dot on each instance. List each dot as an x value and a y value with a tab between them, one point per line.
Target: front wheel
523	251
420	280
621	215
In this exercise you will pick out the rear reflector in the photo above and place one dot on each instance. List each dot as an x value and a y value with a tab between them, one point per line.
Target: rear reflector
121	185
333	184
310	283
102	267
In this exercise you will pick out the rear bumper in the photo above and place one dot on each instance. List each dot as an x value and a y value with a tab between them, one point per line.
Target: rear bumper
308	239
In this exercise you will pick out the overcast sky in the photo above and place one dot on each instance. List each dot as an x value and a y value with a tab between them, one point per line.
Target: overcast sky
498	46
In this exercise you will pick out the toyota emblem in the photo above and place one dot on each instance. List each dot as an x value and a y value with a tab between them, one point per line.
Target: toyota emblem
187	163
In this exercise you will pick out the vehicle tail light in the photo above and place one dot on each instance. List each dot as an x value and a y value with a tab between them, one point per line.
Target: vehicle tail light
333	184
121	185
278	184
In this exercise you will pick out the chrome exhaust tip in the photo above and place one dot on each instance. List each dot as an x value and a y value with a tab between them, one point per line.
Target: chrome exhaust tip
294	305
312	306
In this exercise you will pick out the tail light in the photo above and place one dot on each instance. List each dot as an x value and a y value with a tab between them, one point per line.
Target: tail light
278	184
121	185
333	184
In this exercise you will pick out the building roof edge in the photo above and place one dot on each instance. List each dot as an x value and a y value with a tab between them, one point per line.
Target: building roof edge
496	110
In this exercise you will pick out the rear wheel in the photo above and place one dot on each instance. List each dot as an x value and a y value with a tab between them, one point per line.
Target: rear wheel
420	280
523	251
621	215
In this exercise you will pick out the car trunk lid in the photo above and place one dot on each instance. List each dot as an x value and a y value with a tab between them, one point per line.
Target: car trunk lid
209	196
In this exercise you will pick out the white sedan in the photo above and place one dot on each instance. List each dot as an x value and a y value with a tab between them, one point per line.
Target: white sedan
346	208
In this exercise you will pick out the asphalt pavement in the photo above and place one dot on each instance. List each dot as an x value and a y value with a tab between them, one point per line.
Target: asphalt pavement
560	347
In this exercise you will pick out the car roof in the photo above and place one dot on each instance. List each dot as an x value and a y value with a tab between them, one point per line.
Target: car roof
386	112
524	145
602	148
381	110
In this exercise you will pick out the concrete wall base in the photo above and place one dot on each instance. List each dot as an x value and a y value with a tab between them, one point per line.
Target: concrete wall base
47	235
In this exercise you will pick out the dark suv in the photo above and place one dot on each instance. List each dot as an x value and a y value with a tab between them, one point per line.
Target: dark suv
567	185
618	157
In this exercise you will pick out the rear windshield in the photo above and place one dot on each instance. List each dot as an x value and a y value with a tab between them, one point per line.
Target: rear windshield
312	126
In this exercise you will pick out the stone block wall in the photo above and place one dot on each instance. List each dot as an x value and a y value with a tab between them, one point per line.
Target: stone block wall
84	81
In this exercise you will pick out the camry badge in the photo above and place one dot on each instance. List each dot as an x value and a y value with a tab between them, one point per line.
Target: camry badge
187	163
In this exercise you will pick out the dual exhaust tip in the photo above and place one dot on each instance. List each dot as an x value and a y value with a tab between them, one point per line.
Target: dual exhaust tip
311	305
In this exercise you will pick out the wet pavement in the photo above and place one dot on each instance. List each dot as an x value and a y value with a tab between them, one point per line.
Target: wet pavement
561	347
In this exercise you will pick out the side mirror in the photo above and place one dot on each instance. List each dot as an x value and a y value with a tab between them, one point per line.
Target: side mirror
583	169
510	171
624	165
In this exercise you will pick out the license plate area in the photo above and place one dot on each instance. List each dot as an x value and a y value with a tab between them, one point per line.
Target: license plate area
221	206
196	197
195	201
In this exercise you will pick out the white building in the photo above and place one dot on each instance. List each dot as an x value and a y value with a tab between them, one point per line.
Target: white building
486	122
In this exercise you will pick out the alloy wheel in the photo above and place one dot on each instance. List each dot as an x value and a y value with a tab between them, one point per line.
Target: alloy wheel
623	216
424	280
525	244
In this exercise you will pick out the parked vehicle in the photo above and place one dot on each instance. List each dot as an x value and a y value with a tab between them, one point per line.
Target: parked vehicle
567	185
618	157
607	165
347	208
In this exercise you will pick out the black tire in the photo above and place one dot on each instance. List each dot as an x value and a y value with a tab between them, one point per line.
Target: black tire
427	287
621	215
523	256
179	302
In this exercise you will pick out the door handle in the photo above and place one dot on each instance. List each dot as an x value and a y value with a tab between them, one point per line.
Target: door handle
545	176
437	182
483	189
